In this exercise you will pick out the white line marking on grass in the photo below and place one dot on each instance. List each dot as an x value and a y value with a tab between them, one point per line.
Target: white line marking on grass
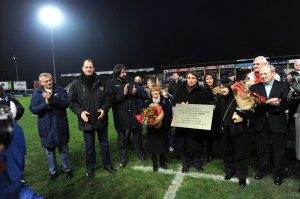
179	176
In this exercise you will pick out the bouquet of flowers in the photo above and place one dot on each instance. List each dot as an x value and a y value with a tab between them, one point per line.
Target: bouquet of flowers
151	116
245	99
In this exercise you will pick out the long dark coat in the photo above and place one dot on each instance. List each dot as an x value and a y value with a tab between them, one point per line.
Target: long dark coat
52	118
81	99
157	139
241	139
123	105
185	139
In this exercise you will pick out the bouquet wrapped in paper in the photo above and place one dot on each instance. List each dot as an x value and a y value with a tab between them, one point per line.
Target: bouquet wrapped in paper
151	116
245	99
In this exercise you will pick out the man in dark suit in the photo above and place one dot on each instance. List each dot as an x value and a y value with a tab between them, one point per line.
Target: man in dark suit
270	123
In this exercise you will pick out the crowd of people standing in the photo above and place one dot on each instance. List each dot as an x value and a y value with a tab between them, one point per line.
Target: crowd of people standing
91	97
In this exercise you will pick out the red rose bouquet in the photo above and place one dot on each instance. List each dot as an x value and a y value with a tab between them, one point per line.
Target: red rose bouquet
151	116
245	99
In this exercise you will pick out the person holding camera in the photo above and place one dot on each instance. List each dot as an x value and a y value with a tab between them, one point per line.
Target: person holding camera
12	155
233	137
124	94
90	99
49	102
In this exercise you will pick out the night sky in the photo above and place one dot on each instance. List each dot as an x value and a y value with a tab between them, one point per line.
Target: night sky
142	34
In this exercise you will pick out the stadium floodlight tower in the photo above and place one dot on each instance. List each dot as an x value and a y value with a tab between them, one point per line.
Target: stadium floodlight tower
51	16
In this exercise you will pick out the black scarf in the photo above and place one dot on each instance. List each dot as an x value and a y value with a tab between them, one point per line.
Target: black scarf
88	80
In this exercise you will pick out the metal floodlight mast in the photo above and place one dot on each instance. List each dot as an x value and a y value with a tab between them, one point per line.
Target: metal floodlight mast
51	16
15	58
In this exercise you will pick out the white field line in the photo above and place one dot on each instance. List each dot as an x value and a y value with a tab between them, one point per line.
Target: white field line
179	176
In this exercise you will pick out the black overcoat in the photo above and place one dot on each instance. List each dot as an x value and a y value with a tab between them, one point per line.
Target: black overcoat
186	139
157	139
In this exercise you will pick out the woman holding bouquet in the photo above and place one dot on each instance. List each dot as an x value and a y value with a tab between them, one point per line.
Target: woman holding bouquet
189	142
157	138
234	138
213	90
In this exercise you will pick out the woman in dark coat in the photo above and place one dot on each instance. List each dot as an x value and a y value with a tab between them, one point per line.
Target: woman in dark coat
234	140
157	138
213	90
189	142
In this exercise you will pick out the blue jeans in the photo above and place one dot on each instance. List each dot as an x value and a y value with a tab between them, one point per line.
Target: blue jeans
64	157
89	138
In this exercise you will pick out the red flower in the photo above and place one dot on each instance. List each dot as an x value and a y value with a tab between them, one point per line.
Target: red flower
151	119
146	114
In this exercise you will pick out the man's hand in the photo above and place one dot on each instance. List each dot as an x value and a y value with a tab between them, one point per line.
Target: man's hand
84	116
47	97
126	89
102	113
133	90
273	101
288	77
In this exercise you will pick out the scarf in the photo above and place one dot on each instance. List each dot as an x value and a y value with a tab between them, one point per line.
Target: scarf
257	77
156	101
88	80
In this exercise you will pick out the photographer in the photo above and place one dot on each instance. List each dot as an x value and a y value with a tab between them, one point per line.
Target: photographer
12	152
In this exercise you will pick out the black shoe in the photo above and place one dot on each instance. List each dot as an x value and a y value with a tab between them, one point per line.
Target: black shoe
278	180
242	182
209	158
53	176
185	169
228	176
155	169
259	175
200	169
89	174
110	169
69	174
299	189
123	165
143	160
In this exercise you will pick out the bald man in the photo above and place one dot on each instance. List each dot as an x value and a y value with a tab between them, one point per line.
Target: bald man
270	123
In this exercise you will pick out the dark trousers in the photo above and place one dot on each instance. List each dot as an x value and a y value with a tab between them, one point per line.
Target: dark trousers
194	158
89	138
231	164
162	160
279	150
138	145
209	143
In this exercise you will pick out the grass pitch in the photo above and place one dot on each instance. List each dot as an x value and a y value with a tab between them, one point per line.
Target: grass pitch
130	183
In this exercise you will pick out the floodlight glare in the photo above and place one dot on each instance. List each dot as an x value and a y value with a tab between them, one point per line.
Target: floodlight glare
50	16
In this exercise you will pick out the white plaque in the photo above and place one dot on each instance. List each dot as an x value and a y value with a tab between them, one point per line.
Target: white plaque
194	116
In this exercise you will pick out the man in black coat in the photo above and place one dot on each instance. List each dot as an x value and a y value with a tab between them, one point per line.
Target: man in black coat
124	112
174	85
188	141
270	122
90	99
